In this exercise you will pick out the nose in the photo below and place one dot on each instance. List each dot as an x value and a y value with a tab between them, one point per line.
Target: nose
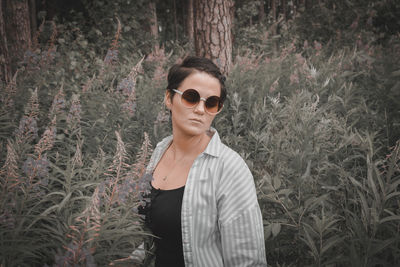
200	107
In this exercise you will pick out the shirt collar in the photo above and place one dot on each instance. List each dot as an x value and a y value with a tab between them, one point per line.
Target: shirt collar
213	148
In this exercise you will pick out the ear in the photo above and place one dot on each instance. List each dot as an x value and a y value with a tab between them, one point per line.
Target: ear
167	99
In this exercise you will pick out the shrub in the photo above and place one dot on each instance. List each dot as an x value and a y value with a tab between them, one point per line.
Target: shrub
318	126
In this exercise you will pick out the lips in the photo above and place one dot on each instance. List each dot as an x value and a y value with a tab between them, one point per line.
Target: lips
197	120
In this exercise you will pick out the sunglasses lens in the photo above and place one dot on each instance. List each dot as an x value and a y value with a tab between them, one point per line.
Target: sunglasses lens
212	104
190	98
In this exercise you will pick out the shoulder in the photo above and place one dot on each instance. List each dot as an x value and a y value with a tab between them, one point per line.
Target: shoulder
233	163
235	178
229	165
157	152
164	142
162	145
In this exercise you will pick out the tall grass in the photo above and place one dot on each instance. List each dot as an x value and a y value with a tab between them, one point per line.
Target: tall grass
319	130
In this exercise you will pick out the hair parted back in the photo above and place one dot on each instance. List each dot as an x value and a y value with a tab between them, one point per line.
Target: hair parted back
179	72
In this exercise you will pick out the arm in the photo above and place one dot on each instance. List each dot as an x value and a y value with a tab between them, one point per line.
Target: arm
243	239
240	220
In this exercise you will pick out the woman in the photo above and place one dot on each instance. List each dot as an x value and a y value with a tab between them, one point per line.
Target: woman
204	207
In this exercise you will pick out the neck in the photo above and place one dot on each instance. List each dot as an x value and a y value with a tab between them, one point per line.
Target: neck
188	145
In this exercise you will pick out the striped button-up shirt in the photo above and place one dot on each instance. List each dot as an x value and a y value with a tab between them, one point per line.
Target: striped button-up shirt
221	219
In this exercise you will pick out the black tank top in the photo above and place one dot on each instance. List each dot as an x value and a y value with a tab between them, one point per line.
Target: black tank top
164	219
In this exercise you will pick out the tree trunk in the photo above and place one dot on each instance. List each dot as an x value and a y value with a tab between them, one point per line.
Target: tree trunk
294	8
284	9
32	11
18	30
5	62
154	24
307	4
190	23
274	10
274	29
175	22
213	31
261	12
232	13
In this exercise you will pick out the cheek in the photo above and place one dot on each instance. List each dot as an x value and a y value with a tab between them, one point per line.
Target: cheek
178	112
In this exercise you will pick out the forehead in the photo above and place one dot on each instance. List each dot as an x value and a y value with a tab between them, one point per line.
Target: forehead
203	82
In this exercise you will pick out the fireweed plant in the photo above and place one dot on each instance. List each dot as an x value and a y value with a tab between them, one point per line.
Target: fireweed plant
319	129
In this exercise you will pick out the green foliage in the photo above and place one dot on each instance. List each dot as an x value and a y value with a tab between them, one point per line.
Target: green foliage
65	198
315	131
134	19
316	122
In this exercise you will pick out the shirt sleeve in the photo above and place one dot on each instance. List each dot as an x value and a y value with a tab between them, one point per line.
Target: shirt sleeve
240	220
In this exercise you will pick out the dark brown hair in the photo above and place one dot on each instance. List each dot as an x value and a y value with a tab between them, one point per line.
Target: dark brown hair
179	72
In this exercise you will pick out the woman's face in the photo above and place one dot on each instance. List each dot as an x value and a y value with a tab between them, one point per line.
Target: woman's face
193	121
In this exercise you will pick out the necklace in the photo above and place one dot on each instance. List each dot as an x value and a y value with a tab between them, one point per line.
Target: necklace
178	161
172	168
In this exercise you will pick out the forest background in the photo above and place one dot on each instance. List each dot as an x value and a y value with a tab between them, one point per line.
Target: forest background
313	107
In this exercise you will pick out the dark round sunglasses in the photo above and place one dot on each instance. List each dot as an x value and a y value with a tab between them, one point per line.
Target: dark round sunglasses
191	98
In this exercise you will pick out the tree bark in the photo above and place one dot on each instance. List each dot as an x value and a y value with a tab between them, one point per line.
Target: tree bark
154	24
18	30
190	22
213	31
5	62
175	22
261	12
284	9
274	10
32	11
274	29
307	4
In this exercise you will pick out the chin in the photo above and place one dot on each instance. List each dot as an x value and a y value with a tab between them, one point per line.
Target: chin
194	131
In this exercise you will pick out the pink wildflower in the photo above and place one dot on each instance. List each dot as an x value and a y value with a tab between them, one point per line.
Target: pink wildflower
27	129
77	160
159	74
354	25
305	45
126	86
112	53
359	42
58	104
74	115
36	167
111	57
48	139
11	88
318	47
300	59
129	107
10	168
274	86
31	59
294	78
88	84
33	105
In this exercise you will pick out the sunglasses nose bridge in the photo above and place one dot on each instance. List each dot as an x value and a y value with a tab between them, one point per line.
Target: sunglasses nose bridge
203	99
